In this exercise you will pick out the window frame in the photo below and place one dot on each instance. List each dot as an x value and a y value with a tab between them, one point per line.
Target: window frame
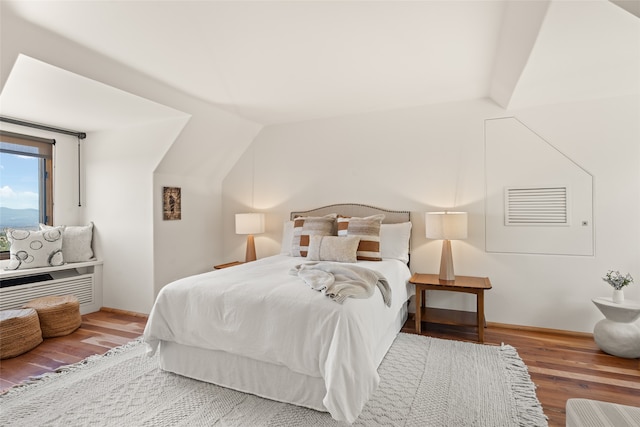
45	170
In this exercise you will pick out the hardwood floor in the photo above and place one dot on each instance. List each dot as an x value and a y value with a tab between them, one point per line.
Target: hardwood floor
562	365
99	332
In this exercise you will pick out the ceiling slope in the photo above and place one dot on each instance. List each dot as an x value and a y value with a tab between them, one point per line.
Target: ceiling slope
631	6
36	90
279	62
584	50
520	27
275	62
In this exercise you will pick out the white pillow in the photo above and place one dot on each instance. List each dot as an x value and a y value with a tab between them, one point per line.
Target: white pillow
333	248
76	242
287	238
394	241
31	249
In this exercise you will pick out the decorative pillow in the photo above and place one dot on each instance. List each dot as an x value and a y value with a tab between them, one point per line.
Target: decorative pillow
394	241
31	249
306	226
333	248
368	229
287	238
76	242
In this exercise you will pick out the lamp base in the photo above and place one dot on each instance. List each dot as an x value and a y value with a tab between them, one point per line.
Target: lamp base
446	262
251	249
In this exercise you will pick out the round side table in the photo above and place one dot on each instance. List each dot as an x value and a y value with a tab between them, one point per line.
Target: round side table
618	334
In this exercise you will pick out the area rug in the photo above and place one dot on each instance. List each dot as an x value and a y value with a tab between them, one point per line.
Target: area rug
424	382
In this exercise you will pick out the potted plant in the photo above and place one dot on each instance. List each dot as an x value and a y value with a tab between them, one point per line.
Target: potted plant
617	281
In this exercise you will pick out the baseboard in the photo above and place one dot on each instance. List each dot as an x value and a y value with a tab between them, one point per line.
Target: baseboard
539	329
489	324
123	312
530	328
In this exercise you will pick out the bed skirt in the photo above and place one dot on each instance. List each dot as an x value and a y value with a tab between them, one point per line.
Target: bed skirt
275	382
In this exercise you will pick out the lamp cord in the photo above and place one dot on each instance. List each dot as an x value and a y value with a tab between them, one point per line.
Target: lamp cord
253	176
79	176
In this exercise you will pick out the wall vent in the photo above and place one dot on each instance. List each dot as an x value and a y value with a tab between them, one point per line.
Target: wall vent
81	286
536	206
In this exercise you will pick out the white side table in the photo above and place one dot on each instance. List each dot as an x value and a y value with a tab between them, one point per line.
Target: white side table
618	334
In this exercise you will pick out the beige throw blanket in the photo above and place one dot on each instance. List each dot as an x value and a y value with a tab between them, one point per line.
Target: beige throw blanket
339	281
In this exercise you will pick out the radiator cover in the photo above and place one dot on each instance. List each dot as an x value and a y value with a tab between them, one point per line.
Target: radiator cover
79	285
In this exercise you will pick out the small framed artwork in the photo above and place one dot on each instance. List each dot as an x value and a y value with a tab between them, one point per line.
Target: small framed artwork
171	203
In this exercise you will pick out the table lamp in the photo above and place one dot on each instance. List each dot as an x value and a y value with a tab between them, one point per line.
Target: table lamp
250	223
446	226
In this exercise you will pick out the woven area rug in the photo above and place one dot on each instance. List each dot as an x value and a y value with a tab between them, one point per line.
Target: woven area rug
424	382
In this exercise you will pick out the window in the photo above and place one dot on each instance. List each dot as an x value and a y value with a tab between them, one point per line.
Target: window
26	184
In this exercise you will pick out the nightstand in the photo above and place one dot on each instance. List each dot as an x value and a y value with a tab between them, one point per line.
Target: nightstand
229	264
466	284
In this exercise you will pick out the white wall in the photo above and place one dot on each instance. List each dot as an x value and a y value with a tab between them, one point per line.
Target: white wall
430	158
190	245
126	167
119	176
195	163
533	162
603	136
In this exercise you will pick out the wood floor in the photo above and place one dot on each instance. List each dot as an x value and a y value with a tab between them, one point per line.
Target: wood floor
561	365
99	332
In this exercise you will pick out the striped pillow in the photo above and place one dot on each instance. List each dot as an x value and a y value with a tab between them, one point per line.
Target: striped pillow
305	226
368	230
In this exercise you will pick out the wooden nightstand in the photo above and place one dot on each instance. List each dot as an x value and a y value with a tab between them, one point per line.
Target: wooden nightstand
229	264
467	284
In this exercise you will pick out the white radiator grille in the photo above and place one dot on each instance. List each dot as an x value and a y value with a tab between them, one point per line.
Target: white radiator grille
15	296
536	206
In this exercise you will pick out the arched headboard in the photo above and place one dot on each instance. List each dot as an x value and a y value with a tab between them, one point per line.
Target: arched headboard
359	210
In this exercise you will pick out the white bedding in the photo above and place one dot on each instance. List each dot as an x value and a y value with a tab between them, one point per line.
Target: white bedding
260	311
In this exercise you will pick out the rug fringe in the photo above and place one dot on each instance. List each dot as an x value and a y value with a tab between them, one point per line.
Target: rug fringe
528	406
65	369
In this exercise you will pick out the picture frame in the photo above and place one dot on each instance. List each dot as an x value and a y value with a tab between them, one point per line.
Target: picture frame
171	203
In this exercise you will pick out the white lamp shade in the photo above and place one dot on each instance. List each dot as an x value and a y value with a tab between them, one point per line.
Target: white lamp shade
446	225
249	223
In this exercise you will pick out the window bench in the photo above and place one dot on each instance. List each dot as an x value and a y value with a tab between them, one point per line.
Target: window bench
81	279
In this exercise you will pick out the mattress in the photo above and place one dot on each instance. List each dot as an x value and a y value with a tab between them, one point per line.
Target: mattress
258	317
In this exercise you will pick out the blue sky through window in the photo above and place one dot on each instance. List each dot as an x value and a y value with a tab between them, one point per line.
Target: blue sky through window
19	181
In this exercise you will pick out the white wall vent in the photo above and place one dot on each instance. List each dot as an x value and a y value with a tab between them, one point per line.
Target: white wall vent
82	286
536	206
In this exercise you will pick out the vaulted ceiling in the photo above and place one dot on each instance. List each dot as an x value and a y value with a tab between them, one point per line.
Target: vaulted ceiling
277	62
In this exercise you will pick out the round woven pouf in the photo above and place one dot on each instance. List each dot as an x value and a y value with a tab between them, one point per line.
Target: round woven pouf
59	315
19	332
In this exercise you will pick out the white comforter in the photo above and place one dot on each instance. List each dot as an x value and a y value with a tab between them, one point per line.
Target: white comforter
260	311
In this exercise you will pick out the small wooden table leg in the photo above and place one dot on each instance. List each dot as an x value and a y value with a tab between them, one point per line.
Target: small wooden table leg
466	284
480	311
418	315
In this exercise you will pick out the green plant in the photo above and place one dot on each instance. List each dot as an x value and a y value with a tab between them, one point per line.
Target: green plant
617	280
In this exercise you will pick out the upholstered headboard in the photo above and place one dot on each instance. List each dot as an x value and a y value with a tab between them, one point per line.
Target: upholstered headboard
391	236
355	209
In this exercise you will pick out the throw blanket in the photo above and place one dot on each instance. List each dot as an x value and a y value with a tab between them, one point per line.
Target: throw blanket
339	281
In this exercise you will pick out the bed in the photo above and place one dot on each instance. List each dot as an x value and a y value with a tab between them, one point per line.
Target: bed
258	328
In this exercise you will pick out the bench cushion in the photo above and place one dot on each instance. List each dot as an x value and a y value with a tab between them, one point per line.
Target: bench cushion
594	413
